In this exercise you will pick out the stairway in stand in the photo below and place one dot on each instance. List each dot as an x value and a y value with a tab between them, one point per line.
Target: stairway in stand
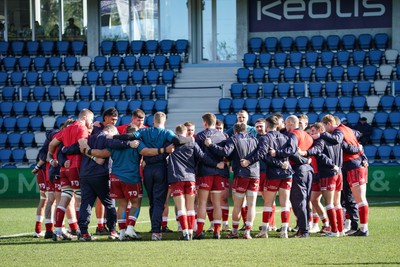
197	91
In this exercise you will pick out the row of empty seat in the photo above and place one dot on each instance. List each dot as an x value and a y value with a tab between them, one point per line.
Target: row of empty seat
319	42
383	154
323	58
139	47
44	48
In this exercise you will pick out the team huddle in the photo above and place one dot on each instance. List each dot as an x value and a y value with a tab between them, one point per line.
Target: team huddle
84	161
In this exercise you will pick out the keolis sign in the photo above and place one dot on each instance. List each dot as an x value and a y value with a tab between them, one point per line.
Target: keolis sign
294	15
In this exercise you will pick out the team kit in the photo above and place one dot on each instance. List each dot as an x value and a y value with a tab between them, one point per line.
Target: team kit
85	165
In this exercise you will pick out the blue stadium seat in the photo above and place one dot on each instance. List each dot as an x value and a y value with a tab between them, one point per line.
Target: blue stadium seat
394	119
96	106
349	41
18	155
77	47
386	102
396	153
161	105
115	91
249	60
122	106
168	77
9	123
280	59
16	78
347	88
55	63
107	77
147	106
271	44
224	105
250	105
182	46
230	120
122	77
370	151
255	44
220	117
264	59
5	155
397	101
32	108
115	62
39	92
161	91
299	89
384	153
283	89
364	87
62	77
108	104
317	42
122	47
100	62
31	78
353	72
305	74
345	103
70	63
268	89
381	119
274	74
333	42
255	117
289	74
9	63
144	62
22	123
130	91
92	77
390	135
315	89
296	59
370	72
40	63
27	139
137	47
129	62
166	46
151	46
317	104
160	62
19	107
331	103
134	104
45	107
252	90
321	73
24	92
4	47
337	73
47	48
100	92
258	75
125	119
375	57
17	48
83	104
264	104
152	77
36	123
24	63
175	62
365	41
277	104
243	75
343	57
291	104
14	139
286	43
301	43
62	48
146	92
8	93
327	58
304	104
70	107
353	117
6	108
54	92
359	102
107	48
3	139
237	104
85	92
381	41
359	57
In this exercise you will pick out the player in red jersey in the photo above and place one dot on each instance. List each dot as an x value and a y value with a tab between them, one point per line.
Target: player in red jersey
138	117
70	176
